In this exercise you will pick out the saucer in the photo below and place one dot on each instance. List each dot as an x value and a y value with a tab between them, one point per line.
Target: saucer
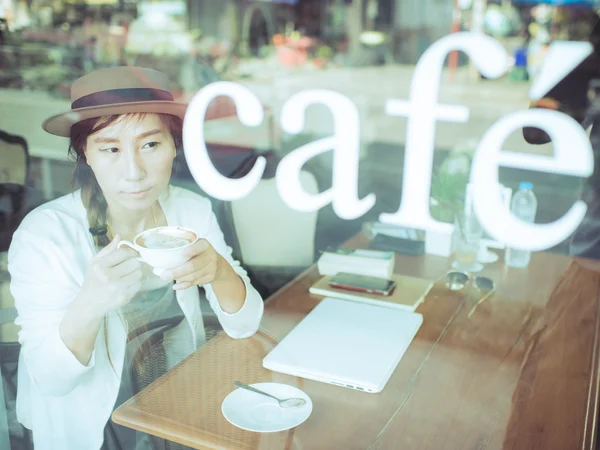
487	257
473	268
254	412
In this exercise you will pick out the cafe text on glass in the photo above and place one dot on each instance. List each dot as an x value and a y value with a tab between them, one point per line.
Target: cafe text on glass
572	149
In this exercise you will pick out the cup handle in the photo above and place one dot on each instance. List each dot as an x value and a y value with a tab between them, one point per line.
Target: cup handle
128	244
132	246
158	272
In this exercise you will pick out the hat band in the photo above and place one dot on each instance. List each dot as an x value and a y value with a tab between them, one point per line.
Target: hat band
129	95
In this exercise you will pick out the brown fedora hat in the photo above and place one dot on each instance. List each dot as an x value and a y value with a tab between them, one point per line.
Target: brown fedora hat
116	90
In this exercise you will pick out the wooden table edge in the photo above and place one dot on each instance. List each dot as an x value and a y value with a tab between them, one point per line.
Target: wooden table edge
179	437
591	420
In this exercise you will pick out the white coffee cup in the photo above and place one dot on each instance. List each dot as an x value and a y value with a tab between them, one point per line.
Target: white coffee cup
162	259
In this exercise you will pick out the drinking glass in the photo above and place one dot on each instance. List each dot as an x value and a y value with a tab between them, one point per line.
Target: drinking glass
466	240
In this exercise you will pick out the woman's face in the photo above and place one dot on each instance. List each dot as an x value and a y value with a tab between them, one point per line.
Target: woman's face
132	160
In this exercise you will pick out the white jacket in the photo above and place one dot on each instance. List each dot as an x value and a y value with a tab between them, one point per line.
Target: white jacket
65	403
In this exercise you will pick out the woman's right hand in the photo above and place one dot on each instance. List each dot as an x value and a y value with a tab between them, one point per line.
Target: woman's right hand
113	278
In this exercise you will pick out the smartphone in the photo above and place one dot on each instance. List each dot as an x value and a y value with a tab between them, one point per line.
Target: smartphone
362	283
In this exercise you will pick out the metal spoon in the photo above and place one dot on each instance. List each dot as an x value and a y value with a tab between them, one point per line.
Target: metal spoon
284	403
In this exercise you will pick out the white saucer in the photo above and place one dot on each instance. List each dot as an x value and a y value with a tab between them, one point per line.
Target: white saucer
487	257
474	268
254	412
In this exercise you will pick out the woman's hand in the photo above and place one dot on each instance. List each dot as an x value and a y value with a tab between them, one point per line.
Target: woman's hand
205	265
113	278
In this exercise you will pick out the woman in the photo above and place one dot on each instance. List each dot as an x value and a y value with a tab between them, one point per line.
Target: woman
77	294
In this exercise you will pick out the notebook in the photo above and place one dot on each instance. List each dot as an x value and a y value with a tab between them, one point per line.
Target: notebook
408	294
348	344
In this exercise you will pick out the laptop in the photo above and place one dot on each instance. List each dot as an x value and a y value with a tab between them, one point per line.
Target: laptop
349	344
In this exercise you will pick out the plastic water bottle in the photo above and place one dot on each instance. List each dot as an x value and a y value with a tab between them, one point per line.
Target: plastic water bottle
523	206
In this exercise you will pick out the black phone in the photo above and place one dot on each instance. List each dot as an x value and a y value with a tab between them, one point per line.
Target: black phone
362	283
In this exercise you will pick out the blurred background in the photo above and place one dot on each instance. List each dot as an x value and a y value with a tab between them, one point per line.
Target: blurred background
364	49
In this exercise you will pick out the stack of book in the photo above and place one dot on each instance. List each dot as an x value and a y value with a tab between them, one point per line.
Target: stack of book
372	263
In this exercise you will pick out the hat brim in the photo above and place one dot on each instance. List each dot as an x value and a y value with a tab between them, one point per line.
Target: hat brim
60	124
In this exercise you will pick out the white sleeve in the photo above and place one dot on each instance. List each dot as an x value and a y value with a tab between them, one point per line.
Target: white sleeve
43	292
246	321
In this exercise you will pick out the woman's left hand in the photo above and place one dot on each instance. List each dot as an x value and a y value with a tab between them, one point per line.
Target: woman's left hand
205	266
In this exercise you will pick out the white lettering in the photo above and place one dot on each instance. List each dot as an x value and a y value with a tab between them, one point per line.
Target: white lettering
345	144
572	156
573	153
250	114
423	110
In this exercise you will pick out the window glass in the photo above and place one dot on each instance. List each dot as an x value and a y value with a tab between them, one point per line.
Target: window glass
180	180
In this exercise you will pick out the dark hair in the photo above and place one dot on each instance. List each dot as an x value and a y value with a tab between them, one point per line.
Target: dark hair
595	35
91	194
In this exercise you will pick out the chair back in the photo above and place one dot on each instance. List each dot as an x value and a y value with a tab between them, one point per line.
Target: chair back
269	232
151	361
14	160
14	181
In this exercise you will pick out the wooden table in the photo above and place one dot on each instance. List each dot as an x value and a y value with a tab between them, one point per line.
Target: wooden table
521	373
